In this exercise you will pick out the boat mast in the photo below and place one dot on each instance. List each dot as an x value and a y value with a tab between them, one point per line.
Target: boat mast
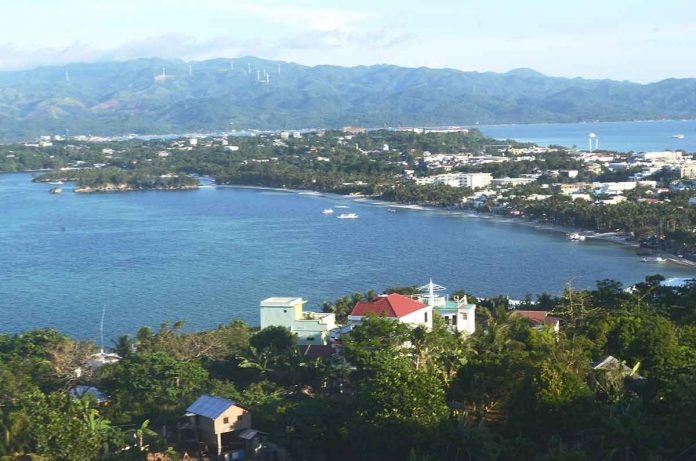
101	328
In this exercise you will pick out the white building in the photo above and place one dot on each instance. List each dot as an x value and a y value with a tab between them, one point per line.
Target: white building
310	327
459	315
688	170
470	180
664	156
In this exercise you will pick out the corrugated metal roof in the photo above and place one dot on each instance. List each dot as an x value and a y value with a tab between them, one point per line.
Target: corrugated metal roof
248	434
209	406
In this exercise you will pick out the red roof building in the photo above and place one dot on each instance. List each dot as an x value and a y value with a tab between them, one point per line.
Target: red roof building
394	306
541	318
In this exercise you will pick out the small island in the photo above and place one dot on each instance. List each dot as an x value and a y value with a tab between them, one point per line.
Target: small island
117	180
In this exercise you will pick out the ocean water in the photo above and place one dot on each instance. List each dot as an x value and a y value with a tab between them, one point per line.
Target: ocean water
618	136
209	256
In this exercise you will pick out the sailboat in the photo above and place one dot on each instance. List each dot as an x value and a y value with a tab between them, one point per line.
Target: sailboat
102	358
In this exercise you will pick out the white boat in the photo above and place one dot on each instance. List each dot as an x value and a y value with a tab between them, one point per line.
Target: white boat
391	210
658	259
56	183
327	211
576	237
678	136
347	216
56	190
341	206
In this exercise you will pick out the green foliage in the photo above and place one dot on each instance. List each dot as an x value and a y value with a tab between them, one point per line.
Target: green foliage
123	97
509	391
153	384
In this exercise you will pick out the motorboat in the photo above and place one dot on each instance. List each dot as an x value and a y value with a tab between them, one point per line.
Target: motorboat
576	237
678	136
347	216
391	210
327	211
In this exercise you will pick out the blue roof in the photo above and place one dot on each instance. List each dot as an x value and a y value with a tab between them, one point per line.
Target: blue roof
209	406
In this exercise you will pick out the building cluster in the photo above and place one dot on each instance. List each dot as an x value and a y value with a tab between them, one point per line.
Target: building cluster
448	162
321	329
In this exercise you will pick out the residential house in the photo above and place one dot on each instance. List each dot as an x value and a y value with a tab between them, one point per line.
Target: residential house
540	319
394	306
224	427
310	327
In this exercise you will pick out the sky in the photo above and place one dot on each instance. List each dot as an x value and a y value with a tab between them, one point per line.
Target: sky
637	40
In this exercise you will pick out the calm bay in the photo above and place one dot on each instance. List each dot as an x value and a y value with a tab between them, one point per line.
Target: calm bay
209	256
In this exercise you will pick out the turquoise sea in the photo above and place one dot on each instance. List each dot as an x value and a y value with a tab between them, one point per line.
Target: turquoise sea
619	136
209	256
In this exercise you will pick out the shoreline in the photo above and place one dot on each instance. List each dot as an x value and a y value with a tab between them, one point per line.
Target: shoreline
608	237
616	238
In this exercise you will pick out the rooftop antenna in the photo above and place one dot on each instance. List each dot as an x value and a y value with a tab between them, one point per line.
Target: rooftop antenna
258	75
430	290
268	78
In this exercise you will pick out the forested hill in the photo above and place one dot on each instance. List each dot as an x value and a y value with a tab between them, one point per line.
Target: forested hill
126	97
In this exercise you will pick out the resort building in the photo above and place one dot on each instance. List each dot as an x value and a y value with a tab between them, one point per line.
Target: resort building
310	327
467	180
394	306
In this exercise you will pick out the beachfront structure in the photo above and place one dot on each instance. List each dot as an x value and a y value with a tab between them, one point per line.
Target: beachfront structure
394	306
664	156
310	327
458	313
467	180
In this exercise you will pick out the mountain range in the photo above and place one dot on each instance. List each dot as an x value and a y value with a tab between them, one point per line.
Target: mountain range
156	96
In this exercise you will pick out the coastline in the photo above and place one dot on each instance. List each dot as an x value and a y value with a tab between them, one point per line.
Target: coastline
609	237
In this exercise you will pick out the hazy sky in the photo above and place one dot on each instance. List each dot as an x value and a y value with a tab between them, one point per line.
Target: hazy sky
640	40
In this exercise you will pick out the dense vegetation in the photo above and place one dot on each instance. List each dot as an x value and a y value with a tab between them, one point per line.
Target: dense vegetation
508	392
221	94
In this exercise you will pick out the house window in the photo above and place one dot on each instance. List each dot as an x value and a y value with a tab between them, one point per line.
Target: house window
285	311
426	317
310	338
454	319
463	315
225	420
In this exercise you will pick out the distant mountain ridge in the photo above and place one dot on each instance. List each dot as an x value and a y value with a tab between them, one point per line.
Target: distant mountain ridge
221	94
